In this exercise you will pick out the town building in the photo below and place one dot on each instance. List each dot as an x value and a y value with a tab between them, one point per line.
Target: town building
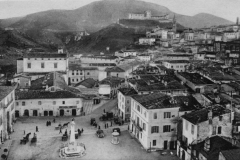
124	103
201	124
144	57
151	121
77	73
125	53
99	59
177	65
42	62
48	103
7	111
147	41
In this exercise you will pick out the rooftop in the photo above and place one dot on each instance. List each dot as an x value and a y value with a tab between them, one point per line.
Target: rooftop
178	61
199	116
44	95
232	154
217	144
44	55
127	91
79	67
112	81
195	78
154	101
88	83
114	69
5	90
100	57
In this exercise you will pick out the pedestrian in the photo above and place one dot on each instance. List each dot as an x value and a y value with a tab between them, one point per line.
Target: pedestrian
34	134
111	123
104	111
54	120
105	126
99	127
84	147
23	132
49	123
82	130
36	128
66	132
60	130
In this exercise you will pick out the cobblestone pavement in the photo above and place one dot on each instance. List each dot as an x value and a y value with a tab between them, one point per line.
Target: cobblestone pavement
49	140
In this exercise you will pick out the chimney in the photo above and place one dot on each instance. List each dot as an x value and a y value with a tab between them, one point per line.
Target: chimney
210	114
207	145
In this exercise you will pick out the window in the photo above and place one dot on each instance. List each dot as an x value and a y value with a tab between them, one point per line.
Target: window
23	103
39	102
128	101
220	118
77	79
186	125
219	130
29	65
72	80
63	102
154	142
155	129
167	114
72	72
144	126
192	129
154	115
54	102
138	108
42	65
55	65
17	103
166	128
88	73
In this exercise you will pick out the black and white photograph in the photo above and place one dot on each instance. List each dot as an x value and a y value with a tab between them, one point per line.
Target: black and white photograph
119	79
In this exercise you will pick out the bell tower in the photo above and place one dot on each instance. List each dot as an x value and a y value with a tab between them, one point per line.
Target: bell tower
174	25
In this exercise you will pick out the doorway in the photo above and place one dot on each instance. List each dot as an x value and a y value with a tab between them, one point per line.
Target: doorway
50	113
165	144
61	112
26	112
45	113
172	145
16	114
74	112
35	113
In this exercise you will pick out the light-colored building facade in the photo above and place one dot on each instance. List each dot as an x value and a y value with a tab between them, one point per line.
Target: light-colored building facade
99	59
39	63
45	103
147	41
202	124
7	111
177	65
151	121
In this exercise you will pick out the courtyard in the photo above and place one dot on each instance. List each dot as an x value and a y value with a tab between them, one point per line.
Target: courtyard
49	140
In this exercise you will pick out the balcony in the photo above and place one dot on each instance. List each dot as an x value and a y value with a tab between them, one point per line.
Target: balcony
136	125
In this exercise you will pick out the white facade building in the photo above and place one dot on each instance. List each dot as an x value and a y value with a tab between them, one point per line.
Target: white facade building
39	63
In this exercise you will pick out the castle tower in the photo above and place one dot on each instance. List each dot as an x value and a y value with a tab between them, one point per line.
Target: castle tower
174	25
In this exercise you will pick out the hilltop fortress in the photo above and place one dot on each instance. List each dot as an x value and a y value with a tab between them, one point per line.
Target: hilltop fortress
147	15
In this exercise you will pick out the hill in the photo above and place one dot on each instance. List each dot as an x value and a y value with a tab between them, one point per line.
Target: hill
114	36
54	27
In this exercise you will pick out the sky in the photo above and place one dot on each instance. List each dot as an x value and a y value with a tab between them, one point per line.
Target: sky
228	9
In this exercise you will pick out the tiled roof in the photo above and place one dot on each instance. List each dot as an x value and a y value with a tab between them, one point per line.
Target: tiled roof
79	67
112	81
217	144
114	69
101	57
195	78
44	95
127	91
5	90
44	55
202	115
178	61
88	83
154	101
233	154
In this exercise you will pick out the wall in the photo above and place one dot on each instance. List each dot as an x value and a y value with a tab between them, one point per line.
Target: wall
47	105
19	66
62	64
97	60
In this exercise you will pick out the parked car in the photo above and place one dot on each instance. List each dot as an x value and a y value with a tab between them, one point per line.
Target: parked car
118	130
100	133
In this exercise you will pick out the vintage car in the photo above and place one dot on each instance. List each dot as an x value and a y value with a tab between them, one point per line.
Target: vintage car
100	133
